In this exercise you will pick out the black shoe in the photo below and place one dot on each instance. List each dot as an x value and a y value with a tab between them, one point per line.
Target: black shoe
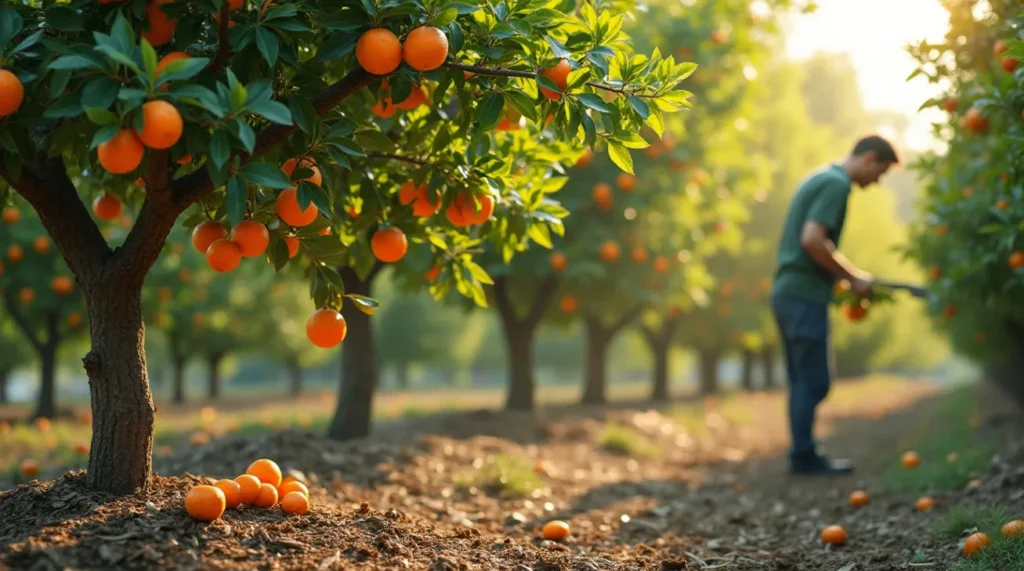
817	464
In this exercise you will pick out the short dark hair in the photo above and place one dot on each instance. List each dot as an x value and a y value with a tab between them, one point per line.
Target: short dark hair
883	149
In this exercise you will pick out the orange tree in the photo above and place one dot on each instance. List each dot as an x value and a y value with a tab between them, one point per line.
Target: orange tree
39	296
264	113
16	354
969	239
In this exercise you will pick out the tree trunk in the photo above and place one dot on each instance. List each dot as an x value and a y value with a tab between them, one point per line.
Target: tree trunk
595	379
768	363
359	373
709	371
660	342
4	375
521	382
747	378
179	379
214	378
46	406
121	455
294	377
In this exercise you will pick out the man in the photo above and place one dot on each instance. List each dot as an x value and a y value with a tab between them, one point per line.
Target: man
808	267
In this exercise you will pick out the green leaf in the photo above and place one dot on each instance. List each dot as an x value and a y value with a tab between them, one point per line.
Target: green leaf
640	106
621	157
239	95
539	233
199	96
220	148
74	62
103	135
64	19
59	82
149	60
272	111
235	199
100	93
348	146
594	102
375	141
102	116
656	122
444	17
265	174
631	140
523	104
182	69
337	46
367	305
268	45
26	43
119	57
278	252
303	113
488	111
69	105
245	134
10	25
558	48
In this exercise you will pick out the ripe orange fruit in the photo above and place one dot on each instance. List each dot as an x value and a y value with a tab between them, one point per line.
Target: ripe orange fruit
292	486
168	60
74	319
935	272
556	530
12	93
1008	64
949	311
609	251
432	273
416	98
1013	528
602	193
974	121
639	255
26	295
121	154
425	48
266	470
834	534
161	125
559	73
326	328
389	244
307	163
586	159
293	246
206	233
29	468
419	197
232	491
859	498
384	108
80	448
223	255
249	487
288	210
1002	205
1016	260
62	285
41	245
267	497
924	504
625	181
661	264
378	51
185	159
855	311
975	543
999	47
106	207
295	503
205	503
11	215
15	253
559	262
950	104
718	37
567	304
252	238
910	460
161	27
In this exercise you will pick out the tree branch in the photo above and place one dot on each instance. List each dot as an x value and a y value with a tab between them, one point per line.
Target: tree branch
627	317
501	72
502	301
22	323
413	160
223	42
542	301
131	262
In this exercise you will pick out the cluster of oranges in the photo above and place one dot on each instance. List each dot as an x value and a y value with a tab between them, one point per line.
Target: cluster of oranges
162	127
61	285
602	191
380	52
262	486
972	119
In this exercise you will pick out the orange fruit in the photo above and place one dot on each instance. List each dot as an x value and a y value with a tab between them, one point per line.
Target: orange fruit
41	245
1016	260
609	251
567	304
205	503
326	328
384	109
168	60
29	468
950	104
62	285
161	125
910	460
559	74
859	498
288	210
378	51
307	163
389	244
11	215
1013	528
425	48
586	159
1002	205
559	262
266	470
252	238
1008	64
975	543
295	503
15	253
26	295
292	486
661	264
718	37
267	497
80	448
223	255
232	491
416	98
602	193
206	233
639	255
249	487
854	311
12	93
974	121
949	311
556	530
293	246
161	27
74	319
432	273
999	47
625	181
185	159
935	272
833	534
924	504
420	198
122	154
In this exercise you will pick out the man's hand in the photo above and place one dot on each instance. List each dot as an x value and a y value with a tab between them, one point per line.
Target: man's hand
862	286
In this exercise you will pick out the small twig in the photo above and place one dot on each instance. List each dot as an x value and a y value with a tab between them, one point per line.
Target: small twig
421	162
501	72
223	42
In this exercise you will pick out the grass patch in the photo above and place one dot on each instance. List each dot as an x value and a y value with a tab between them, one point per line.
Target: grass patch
620	439
503	475
964	520
950	453
736	409
1004	553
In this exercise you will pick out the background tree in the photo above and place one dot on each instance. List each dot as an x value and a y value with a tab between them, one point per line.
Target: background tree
16	354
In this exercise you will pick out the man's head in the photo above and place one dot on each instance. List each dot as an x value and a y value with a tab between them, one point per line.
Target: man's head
870	159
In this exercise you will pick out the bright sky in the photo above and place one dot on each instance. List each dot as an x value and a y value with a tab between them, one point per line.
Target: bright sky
874	33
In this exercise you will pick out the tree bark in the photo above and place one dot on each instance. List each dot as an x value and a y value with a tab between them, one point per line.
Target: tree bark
747	375
660	342
179	378
294	377
4	375
519	335
768	363
46	406
596	367
359	369
214	372
709	371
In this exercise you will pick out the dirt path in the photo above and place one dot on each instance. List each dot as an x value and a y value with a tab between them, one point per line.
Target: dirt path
707	496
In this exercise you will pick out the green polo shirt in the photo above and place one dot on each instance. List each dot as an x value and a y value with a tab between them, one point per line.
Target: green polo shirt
821	198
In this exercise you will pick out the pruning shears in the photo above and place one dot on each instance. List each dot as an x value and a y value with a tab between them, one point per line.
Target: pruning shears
916	291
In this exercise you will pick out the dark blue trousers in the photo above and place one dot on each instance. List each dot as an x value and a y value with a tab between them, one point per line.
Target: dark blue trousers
804	329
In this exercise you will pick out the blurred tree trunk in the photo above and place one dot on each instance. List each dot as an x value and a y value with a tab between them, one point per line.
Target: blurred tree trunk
768	362
599	339
359	368
4	375
294	376
179	378
660	341
519	334
47	404
708	365
747	378
214	371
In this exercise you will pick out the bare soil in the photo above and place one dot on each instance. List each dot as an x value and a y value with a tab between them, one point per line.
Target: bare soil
406	499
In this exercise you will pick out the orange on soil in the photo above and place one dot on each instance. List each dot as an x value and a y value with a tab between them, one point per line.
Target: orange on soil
29	468
833	534
62	285
1013	528
41	245
975	543
859	498
924	504
293	246
559	261
389	244
232	491
567	304
121	154
11	215
425	48
249	486
661	264
161	125
266	470
559	74
910	460
625	181
556	530
161	27
267	497
12	93
295	503
15	253
252	238
326	328
42	424
292	486
609	251
206	233
223	255
205	503
378	51
288	210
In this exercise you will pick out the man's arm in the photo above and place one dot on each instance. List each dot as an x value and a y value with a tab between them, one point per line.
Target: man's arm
815	241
